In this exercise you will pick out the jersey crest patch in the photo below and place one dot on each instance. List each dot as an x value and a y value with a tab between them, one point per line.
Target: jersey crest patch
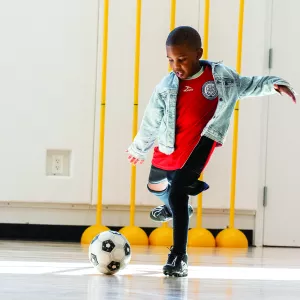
209	90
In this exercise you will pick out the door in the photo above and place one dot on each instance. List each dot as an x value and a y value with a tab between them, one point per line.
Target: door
282	213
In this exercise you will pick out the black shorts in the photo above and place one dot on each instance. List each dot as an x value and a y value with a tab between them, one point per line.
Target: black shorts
192	168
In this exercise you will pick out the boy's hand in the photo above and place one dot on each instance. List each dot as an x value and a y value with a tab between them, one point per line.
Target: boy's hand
134	160
284	89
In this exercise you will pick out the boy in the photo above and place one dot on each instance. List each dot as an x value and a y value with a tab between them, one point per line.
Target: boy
189	112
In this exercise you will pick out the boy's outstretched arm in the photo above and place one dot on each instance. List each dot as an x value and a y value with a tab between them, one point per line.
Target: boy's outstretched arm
256	86
148	131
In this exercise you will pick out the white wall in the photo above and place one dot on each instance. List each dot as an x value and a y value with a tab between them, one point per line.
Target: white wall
47	72
50	72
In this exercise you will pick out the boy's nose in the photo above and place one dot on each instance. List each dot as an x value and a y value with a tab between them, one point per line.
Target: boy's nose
176	65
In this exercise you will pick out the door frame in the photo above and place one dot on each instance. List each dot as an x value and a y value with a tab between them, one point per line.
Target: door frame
258	234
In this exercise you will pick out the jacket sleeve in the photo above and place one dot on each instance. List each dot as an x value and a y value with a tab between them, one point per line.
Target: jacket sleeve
149	128
256	86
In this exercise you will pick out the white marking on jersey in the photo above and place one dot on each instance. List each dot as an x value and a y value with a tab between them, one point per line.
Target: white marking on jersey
188	89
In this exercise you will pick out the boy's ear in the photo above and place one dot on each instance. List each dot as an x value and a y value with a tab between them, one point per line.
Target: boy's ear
199	53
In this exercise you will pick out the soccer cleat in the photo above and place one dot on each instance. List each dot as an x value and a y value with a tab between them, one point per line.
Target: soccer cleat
162	213
177	265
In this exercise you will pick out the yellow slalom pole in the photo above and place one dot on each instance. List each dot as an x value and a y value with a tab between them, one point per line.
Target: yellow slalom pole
135	106
164	236
102	120
199	236
206	29
199	212
172	15
236	118
92	231
134	234
231	237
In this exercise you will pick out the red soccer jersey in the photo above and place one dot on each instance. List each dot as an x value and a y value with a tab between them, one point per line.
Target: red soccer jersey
197	101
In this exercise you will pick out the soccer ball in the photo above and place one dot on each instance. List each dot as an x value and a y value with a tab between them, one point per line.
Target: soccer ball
109	252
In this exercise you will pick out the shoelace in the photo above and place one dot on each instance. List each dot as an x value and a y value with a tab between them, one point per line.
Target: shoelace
161	210
170	249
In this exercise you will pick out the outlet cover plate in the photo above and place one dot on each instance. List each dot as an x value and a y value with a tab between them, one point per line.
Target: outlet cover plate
58	162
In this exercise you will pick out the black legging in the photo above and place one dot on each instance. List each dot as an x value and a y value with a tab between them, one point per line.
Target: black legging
176	195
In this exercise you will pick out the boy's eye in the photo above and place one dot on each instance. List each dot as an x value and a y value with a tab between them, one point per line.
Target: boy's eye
182	59
170	60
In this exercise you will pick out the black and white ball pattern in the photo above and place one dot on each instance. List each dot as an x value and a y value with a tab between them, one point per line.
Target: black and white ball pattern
109	252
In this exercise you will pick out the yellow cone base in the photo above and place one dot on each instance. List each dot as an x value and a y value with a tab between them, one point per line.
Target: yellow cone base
201	237
91	232
162	236
231	238
135	235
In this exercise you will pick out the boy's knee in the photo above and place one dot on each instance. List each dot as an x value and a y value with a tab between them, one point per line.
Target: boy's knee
189	181
157	187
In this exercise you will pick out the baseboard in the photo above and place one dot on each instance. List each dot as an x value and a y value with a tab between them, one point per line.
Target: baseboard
112	215
66	233
66	222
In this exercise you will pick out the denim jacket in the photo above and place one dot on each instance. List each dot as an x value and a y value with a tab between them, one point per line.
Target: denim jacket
159	120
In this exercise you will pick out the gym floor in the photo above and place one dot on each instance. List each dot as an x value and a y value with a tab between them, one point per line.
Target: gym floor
37	270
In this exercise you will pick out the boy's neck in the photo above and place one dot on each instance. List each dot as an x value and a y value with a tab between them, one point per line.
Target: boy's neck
197	74
198	67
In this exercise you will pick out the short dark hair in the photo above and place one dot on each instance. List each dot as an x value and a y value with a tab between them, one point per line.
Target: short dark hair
184	35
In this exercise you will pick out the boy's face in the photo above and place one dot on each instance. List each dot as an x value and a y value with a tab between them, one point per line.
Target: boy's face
183	60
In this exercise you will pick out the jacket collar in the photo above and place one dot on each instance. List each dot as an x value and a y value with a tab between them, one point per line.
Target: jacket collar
202	62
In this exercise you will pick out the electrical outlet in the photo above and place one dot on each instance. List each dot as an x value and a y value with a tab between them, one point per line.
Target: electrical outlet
57	164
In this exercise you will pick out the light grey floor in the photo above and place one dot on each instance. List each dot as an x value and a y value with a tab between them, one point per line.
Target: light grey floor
47	271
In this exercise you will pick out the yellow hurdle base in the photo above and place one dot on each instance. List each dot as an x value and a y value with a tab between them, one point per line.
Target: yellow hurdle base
91	232
135	235
201	237
231	238
162	236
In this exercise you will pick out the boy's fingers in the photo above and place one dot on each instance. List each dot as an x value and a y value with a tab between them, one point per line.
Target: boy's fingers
277	88
134	160
292	96
290	93
286	90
